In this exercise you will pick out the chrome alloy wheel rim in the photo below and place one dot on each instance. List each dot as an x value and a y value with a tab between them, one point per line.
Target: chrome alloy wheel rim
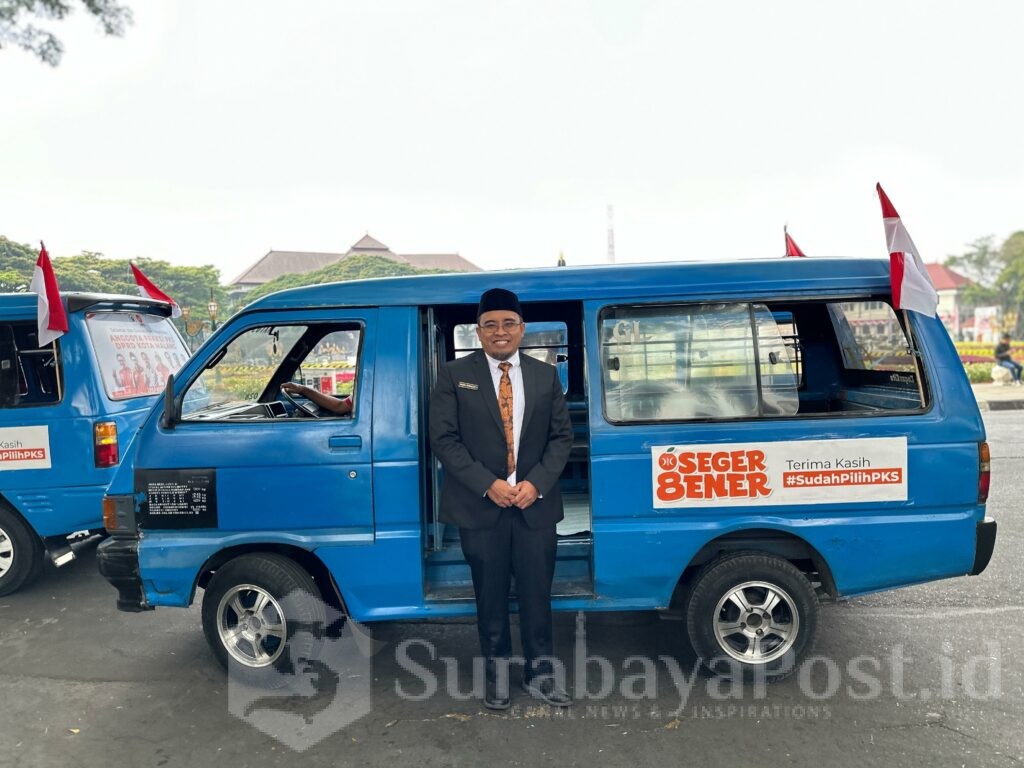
756	622
6	553
251	625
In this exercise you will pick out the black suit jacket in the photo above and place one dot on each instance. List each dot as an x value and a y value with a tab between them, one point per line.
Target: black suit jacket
466	434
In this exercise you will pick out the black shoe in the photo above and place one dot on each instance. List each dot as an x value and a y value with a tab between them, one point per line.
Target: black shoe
496	696
546	690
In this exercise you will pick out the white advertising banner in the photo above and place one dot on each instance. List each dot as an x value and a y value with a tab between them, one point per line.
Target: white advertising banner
136	352
24	448
785	472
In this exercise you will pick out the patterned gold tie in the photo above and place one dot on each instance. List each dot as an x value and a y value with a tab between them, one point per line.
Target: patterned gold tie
505	406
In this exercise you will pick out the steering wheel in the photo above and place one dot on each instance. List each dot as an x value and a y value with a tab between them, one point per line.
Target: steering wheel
299	407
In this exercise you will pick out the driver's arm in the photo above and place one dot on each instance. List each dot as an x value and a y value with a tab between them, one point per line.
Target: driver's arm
341	406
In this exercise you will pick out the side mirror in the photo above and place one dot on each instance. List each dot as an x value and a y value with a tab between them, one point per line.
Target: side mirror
171	415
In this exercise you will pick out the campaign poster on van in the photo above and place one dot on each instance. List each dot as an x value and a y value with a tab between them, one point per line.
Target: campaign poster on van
784	472
24	448
136	352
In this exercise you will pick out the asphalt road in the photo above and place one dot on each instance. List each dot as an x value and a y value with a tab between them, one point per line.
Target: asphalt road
929	675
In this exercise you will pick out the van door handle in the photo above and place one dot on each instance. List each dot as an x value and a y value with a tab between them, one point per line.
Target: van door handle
345	442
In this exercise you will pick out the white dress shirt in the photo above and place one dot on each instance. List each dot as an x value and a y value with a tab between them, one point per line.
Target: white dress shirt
515	374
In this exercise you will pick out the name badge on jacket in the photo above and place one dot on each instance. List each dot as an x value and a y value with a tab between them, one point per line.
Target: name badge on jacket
468	385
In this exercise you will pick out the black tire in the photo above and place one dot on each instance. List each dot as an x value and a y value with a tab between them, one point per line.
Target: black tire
293	614
751	642
21	552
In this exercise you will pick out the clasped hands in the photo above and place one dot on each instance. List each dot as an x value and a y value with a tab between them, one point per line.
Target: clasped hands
521	495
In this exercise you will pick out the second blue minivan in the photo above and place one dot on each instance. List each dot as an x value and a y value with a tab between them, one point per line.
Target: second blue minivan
748	436
64	410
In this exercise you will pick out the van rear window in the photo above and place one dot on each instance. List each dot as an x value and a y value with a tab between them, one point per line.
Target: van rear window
136	352
741	360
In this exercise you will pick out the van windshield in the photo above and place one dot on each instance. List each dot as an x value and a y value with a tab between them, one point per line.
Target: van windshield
136	352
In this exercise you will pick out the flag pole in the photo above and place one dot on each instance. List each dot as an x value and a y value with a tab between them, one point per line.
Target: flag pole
57	370
916	354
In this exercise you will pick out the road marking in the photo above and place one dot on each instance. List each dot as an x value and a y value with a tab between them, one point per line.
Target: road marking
932	614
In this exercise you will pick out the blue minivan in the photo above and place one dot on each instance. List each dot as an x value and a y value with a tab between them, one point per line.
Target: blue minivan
748	436
64	409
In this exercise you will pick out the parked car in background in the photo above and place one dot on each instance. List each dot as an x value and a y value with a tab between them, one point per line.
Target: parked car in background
64	410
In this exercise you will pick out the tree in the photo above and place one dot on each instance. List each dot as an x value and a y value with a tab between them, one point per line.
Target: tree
93	272
1012	277
16	264
998	274
14	28
981	264
353	268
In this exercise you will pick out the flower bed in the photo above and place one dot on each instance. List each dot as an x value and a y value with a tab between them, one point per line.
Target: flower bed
979	373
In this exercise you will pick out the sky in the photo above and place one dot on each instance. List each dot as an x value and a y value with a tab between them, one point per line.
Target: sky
214	131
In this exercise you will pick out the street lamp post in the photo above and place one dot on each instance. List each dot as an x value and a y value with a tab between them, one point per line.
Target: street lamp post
212	309
195	327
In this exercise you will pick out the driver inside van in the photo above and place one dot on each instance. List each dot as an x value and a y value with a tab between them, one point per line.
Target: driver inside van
339	406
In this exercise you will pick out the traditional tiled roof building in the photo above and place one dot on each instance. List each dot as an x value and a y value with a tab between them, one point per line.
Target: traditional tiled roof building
277	263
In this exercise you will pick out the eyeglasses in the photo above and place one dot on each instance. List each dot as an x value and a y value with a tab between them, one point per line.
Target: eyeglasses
492	326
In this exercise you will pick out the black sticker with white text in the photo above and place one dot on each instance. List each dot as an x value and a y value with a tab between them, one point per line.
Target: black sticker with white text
177	498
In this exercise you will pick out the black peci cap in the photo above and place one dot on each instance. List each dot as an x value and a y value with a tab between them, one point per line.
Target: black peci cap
498	299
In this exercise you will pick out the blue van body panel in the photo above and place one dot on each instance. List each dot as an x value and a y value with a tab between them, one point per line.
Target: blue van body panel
925	535
363	514
59	511
170	561
396	409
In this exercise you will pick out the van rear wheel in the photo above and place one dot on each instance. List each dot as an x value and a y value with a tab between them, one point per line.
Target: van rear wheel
21	553
751	614
263	618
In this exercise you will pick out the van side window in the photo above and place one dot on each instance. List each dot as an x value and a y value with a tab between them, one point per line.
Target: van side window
674	363
776	367
243	382
729	361
28	375
879	369
546	341
871	338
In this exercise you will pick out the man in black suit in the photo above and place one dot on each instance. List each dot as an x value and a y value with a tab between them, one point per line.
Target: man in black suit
500	426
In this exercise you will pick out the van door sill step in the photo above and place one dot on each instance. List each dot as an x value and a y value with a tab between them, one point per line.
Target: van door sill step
464	593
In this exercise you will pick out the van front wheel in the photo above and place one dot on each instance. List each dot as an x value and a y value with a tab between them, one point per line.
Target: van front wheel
21	553
751	614
263	618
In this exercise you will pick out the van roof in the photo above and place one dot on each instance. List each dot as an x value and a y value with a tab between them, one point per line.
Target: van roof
791	276
76	301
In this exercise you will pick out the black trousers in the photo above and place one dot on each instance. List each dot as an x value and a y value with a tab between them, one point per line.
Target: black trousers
494	555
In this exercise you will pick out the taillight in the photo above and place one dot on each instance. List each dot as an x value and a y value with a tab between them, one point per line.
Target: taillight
104	442
984	472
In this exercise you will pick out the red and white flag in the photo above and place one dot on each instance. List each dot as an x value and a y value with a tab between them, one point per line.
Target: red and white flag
792	249
911	286
146	288
51	319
